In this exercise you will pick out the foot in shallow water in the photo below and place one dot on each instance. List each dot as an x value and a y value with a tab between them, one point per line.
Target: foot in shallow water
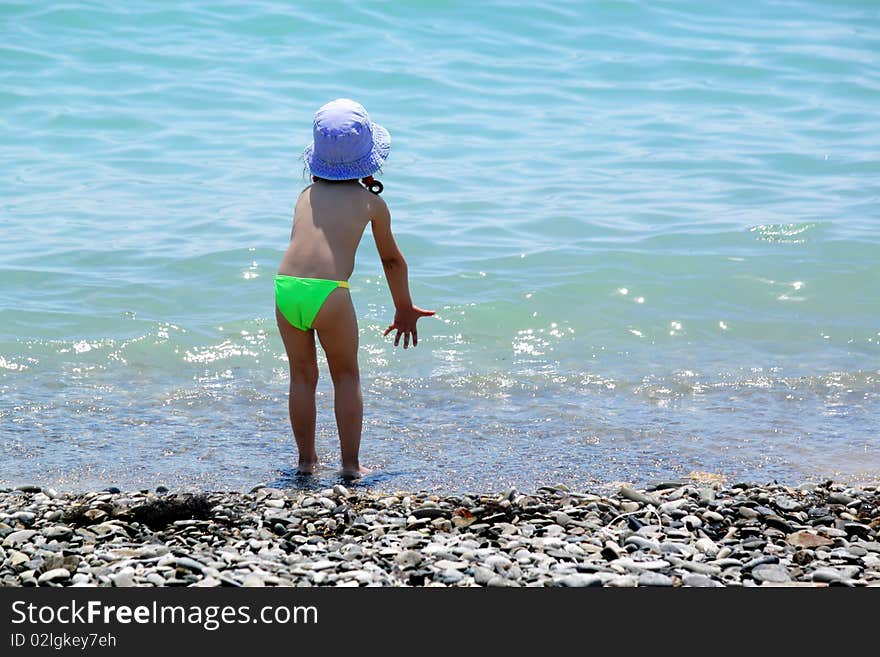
354	473
306	468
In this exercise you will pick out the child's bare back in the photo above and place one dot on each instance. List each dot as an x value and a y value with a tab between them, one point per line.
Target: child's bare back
328	223
311	287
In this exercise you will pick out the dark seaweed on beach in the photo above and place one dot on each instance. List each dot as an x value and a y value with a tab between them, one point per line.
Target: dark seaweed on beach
76	516
160	513
79	515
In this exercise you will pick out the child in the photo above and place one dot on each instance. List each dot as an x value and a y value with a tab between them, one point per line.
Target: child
311	287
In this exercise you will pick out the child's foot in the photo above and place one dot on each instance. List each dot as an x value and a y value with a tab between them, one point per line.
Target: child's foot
354	473
306	468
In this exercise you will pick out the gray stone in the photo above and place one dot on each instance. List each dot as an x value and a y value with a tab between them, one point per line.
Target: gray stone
707	546
19	537
697	580
637	496
785	503
623	581
826	574
207	582
696	566
779	523
581	580
124	577
668	507
190	564
692	522
759	561
649	578
643	543
408	559
483	575
26	518
58	532
669	547
771	573
154	578
17	558
54	575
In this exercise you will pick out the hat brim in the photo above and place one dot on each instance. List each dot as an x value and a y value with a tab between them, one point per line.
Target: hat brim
366	166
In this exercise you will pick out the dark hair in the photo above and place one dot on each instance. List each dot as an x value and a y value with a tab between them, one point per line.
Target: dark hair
327	180
374	186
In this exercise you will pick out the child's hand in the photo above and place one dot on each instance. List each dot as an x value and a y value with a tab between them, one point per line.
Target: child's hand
405	322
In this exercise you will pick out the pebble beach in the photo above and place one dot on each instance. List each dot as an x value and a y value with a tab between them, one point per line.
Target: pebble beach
673	534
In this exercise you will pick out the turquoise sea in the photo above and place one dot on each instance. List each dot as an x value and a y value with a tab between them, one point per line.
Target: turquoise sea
651	232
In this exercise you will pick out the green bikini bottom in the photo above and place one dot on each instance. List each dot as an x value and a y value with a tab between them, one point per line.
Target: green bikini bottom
300	299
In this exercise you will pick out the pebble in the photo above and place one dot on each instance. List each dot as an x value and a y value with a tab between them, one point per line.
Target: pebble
18	537
692	522
759	561
58	532
707	546
696	580
54	575
643	543
622	581
408	559
807	539
580	580
649	578
637	496
482	576
826	575
770	573
124	577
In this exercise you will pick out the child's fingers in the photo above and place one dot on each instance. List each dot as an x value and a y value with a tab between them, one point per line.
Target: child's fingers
415	337
406	340
388	330
397	338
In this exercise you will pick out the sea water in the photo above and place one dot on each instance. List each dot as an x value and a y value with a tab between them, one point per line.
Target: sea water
649	231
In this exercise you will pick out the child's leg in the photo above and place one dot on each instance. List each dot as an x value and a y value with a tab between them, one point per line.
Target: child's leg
337	329
300	347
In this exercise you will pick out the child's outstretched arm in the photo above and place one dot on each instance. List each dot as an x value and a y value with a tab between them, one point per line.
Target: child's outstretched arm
405	313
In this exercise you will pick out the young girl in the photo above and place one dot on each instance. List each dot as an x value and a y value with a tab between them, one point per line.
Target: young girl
311	287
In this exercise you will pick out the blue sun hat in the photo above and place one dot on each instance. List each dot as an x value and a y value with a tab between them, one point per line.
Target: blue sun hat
347	144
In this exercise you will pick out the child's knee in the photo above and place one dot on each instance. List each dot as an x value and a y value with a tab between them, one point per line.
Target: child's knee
306	375
346	374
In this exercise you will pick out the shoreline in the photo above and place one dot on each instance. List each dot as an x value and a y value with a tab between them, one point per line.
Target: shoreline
682	533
